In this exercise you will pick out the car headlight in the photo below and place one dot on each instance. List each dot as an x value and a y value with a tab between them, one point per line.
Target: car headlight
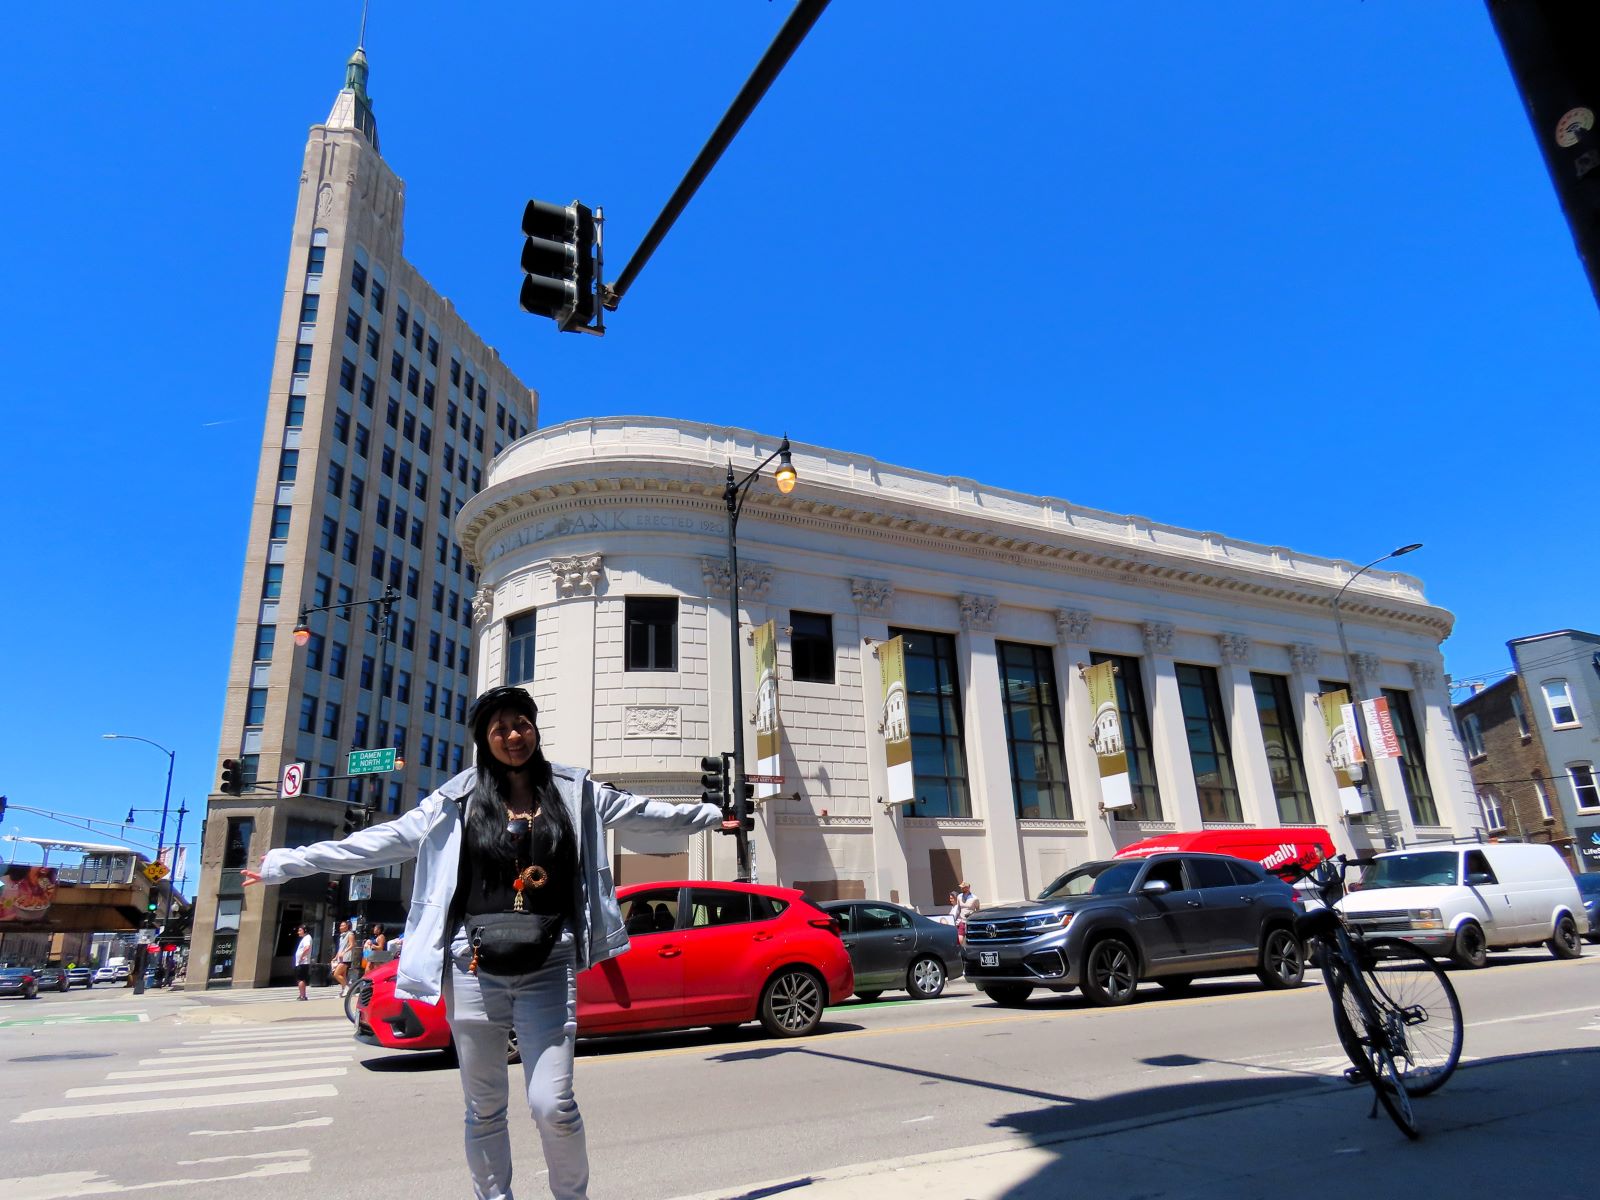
1426	918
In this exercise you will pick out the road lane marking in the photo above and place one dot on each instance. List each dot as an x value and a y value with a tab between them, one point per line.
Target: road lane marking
320	1059
69	1184
1560	1012
173	1060
178	1085
319	1035
315	1091
308	1123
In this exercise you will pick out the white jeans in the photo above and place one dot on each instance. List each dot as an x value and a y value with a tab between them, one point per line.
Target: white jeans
543	1008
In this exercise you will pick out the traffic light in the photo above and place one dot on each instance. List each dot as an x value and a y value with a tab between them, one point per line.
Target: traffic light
3	799
352	820
747	791
714	780
232	781
558	262
333	891
152	902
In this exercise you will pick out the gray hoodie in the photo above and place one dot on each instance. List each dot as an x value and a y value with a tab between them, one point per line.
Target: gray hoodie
431	834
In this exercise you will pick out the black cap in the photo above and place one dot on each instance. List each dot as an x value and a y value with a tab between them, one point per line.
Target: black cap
493	701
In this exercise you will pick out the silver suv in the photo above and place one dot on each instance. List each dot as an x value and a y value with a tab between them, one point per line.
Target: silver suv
1105	926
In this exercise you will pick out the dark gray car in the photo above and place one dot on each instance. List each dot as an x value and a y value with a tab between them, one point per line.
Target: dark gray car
1105	926
893	947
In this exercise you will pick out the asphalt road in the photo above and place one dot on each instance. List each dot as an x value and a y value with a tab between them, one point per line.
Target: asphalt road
258	1095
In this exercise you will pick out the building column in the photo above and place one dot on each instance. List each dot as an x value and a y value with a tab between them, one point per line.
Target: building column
1258	803
1077	721
989	768
1169	740
1453	791
891	868
578	582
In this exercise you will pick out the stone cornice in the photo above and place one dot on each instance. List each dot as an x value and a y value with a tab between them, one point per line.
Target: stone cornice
603	462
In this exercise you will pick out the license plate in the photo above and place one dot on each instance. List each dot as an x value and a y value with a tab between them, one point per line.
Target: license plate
988	958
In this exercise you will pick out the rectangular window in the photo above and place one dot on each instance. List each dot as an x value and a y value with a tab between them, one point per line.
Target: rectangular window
1558	699
386	461
413	380
377	562
272	585
430	696
1543	791
336	655
402	693
295	415
373	339
255	706
366	672
359	734
308	309
452	609
408	428
455	371
1585	792
1520	714
249	769
358	279
1206	723
394	571
1285	763
427	394
352	326
810	646
443	545
421	490
377	295
413	582
236	851
321	590
1494	817
368	387
401	320
433	645
650	633
397	366
425	440
399	520
425	749
1412	767
265	636
1033	732
519	648
316	256
1472	735
403	478
416	332
330	533
438	597
335	480
330	720
433	351
302	360
341	425
933	709
392	417
308	714
455	759
363	439
314	645
1135	736
288	466
352	545
382	512
280	520
358	492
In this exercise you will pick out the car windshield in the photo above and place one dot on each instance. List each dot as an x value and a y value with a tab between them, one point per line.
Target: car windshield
1094	879
1589	885
1429	868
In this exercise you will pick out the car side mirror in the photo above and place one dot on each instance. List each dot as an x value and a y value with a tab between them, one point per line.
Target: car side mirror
1156	887
1479	878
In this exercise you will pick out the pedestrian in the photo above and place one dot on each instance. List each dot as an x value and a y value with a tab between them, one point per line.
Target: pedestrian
376	944
967	902
512	884
343	956
302	961
955	908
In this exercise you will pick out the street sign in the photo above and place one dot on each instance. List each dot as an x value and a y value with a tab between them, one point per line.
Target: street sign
371	762
749	778
294	776
361	886
155	872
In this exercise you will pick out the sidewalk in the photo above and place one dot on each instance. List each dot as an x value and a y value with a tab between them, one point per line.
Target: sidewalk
251	1006
1499	1126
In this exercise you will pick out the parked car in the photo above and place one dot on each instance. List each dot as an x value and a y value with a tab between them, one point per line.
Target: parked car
1465	899
700	953
52	979
1106	926
1589	890
105	975
19	981
80	977
121	971
894	948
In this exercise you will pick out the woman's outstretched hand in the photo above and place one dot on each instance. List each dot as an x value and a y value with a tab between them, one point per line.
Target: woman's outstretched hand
251	878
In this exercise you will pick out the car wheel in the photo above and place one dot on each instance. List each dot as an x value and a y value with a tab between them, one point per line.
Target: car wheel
1009	995
1283	960
1110	973
1471	948
925	978
1566	943
1178	985
791	1003
868	996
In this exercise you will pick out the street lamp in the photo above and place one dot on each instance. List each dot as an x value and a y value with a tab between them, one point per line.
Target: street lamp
172	755
1358	685
733	496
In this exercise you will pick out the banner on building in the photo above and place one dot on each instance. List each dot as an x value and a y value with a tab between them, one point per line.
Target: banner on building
1381	736
27	893
1110	747
896	722
1340	736
768	728
1348	718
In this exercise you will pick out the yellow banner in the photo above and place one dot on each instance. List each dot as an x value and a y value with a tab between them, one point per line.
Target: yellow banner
767	722
1110	746
1342	748
896	721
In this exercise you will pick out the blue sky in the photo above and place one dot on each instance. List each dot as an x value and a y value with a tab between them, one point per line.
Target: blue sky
1291	272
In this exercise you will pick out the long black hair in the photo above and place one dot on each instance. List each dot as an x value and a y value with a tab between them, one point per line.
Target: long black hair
488	840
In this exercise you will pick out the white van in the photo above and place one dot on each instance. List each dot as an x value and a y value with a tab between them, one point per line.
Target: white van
1465	899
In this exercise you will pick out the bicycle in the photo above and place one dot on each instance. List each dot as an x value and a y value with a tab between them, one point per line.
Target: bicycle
1394	1009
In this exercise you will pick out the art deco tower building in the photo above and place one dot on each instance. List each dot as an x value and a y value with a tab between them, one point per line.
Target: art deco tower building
383	413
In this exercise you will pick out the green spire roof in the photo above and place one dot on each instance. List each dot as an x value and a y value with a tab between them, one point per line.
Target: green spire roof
352	108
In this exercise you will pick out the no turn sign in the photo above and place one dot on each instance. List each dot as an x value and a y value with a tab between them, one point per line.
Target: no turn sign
294	776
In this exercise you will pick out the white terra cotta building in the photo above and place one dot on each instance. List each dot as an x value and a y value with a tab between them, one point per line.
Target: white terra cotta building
604	589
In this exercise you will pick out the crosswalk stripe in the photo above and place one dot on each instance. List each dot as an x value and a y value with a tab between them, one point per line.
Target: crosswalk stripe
174	1060
178	1085
318	1059
315	1091
305	1035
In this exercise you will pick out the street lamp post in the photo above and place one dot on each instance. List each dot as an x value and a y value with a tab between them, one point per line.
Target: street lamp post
166	799
733	496
1358	686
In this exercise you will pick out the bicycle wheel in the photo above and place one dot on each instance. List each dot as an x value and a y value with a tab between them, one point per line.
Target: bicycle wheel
352	998
1418	1006
1369	1051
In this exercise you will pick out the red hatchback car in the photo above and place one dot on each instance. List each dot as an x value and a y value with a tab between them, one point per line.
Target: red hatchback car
701	953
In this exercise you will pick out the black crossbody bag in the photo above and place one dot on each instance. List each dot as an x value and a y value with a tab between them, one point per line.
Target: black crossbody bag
512	943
